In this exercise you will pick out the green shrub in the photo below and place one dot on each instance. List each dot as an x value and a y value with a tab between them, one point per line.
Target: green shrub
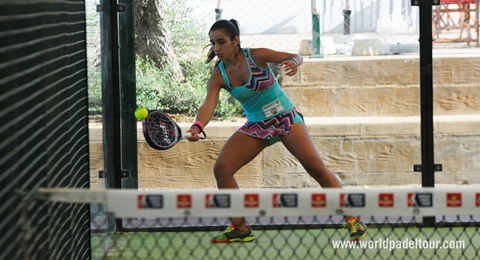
156	90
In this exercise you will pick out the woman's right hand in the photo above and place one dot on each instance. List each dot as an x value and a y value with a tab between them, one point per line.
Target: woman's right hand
192	135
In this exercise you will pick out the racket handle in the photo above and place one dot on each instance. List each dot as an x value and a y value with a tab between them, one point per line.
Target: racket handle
187	135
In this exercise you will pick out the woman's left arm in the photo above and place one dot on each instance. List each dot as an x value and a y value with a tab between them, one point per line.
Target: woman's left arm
289	61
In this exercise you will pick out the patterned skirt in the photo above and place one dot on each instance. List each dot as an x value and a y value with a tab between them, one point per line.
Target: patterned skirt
272	128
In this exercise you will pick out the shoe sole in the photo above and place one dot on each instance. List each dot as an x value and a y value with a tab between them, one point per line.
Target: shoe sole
245	239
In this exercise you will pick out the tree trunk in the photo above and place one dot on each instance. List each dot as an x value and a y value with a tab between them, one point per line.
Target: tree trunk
153	37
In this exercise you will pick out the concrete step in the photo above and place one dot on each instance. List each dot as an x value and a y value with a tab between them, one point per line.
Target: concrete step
358	150
362	126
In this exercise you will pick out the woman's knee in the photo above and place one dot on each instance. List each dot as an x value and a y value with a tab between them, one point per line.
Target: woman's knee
222	170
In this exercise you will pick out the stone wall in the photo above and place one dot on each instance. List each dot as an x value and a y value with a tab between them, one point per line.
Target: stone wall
383	86
363	116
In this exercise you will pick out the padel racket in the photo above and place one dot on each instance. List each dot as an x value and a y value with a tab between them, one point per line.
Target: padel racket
161	131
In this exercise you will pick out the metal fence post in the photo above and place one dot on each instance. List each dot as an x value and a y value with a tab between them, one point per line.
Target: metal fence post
316	43
218	12
428	166
128	95
346	19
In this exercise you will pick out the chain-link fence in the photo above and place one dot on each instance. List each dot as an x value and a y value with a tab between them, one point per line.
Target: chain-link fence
285	24
45	142
286	224
346	28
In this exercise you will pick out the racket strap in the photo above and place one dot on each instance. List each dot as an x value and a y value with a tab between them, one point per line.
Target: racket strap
199	127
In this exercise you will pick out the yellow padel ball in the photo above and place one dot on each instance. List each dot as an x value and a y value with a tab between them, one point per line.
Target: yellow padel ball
141	113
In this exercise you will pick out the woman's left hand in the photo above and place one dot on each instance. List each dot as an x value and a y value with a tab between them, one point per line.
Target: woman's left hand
290	67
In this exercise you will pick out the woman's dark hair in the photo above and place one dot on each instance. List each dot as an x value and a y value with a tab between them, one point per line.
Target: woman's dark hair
232	29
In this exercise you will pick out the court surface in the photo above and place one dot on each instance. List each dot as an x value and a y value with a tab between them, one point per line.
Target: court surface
381	243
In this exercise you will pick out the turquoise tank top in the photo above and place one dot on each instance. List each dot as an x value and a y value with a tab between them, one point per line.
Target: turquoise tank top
261	97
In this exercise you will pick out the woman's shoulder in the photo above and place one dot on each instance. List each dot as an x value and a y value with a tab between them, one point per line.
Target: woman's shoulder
216	79
216	73
258	56
259	52
255	51
262	52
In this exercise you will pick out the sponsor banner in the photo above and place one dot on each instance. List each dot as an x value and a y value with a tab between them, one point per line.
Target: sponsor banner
293	202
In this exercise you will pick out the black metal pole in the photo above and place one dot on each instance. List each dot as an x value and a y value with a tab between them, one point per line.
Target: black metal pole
426	99
426	94
110	94
116	93
128	95
111	98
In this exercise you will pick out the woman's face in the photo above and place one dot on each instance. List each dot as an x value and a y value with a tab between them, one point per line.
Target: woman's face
222	45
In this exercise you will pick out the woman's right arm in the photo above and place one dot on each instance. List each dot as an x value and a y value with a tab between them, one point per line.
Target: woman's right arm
205	112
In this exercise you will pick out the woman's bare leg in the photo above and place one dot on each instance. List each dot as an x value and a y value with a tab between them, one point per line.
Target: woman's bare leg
239	150
300	145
